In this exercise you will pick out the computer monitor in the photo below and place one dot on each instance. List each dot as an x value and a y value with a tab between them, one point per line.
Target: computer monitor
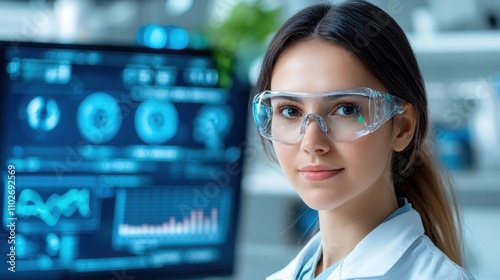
118	162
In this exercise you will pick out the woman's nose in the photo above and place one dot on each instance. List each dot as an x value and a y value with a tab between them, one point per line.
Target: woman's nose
314	140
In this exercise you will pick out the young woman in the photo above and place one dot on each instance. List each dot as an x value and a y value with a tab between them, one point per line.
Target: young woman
342	102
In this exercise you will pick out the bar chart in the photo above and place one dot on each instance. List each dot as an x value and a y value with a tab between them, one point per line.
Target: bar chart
197	223
170	216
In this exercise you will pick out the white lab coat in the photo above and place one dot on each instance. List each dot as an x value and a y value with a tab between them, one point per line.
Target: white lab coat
396	249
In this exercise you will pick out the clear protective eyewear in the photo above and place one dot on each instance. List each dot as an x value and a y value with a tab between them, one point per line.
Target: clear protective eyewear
342	115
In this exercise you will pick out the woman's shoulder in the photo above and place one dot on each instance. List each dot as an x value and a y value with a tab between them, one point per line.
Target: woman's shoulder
424	260
399	249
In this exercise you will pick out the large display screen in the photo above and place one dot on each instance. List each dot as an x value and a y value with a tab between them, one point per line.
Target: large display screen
118	162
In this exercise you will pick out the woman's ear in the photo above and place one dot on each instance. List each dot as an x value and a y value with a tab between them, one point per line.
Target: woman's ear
404	128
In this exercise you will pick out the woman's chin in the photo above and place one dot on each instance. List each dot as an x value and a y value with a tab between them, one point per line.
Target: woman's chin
321	201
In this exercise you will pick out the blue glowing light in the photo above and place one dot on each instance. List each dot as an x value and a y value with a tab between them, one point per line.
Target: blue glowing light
158	37
155	36
53	244
178	38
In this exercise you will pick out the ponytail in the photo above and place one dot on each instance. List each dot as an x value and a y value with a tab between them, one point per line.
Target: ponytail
434	199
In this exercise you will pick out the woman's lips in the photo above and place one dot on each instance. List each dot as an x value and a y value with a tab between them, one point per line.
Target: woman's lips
317	173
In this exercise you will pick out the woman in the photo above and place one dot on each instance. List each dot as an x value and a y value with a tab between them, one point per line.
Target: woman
343	103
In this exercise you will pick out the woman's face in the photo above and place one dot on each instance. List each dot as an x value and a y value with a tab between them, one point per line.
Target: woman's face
328	174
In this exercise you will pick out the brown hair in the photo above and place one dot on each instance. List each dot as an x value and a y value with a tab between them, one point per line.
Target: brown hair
381	45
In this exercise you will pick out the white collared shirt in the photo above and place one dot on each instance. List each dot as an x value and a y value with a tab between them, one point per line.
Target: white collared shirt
396	249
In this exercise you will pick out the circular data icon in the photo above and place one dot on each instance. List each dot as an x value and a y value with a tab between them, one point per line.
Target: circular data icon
156	122
99	117
43	114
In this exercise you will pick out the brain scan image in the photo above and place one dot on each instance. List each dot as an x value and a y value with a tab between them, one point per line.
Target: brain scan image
211	125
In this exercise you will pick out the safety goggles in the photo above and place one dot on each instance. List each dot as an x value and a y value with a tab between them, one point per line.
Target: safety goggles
341	115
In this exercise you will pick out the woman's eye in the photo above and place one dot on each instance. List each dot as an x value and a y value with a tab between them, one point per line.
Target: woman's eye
290	112
347	110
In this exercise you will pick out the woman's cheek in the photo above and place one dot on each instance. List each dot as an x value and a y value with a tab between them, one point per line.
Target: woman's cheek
286	157
368	156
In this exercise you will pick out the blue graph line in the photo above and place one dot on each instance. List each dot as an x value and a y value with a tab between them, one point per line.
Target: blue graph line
31	204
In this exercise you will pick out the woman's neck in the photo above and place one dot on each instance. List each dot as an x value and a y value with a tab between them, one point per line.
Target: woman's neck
344	227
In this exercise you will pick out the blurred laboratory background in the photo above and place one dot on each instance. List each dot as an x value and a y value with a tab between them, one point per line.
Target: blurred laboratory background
457	44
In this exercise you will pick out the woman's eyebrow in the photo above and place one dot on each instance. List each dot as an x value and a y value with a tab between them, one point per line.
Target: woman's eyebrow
301	99
334	97
290	98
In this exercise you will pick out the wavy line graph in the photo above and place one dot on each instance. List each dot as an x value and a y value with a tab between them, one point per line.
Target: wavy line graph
30	203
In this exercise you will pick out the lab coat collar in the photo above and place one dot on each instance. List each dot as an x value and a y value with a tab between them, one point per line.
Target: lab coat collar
379	251
290	271
374	255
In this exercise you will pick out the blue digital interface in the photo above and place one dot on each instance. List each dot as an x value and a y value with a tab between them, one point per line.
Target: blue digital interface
118	162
